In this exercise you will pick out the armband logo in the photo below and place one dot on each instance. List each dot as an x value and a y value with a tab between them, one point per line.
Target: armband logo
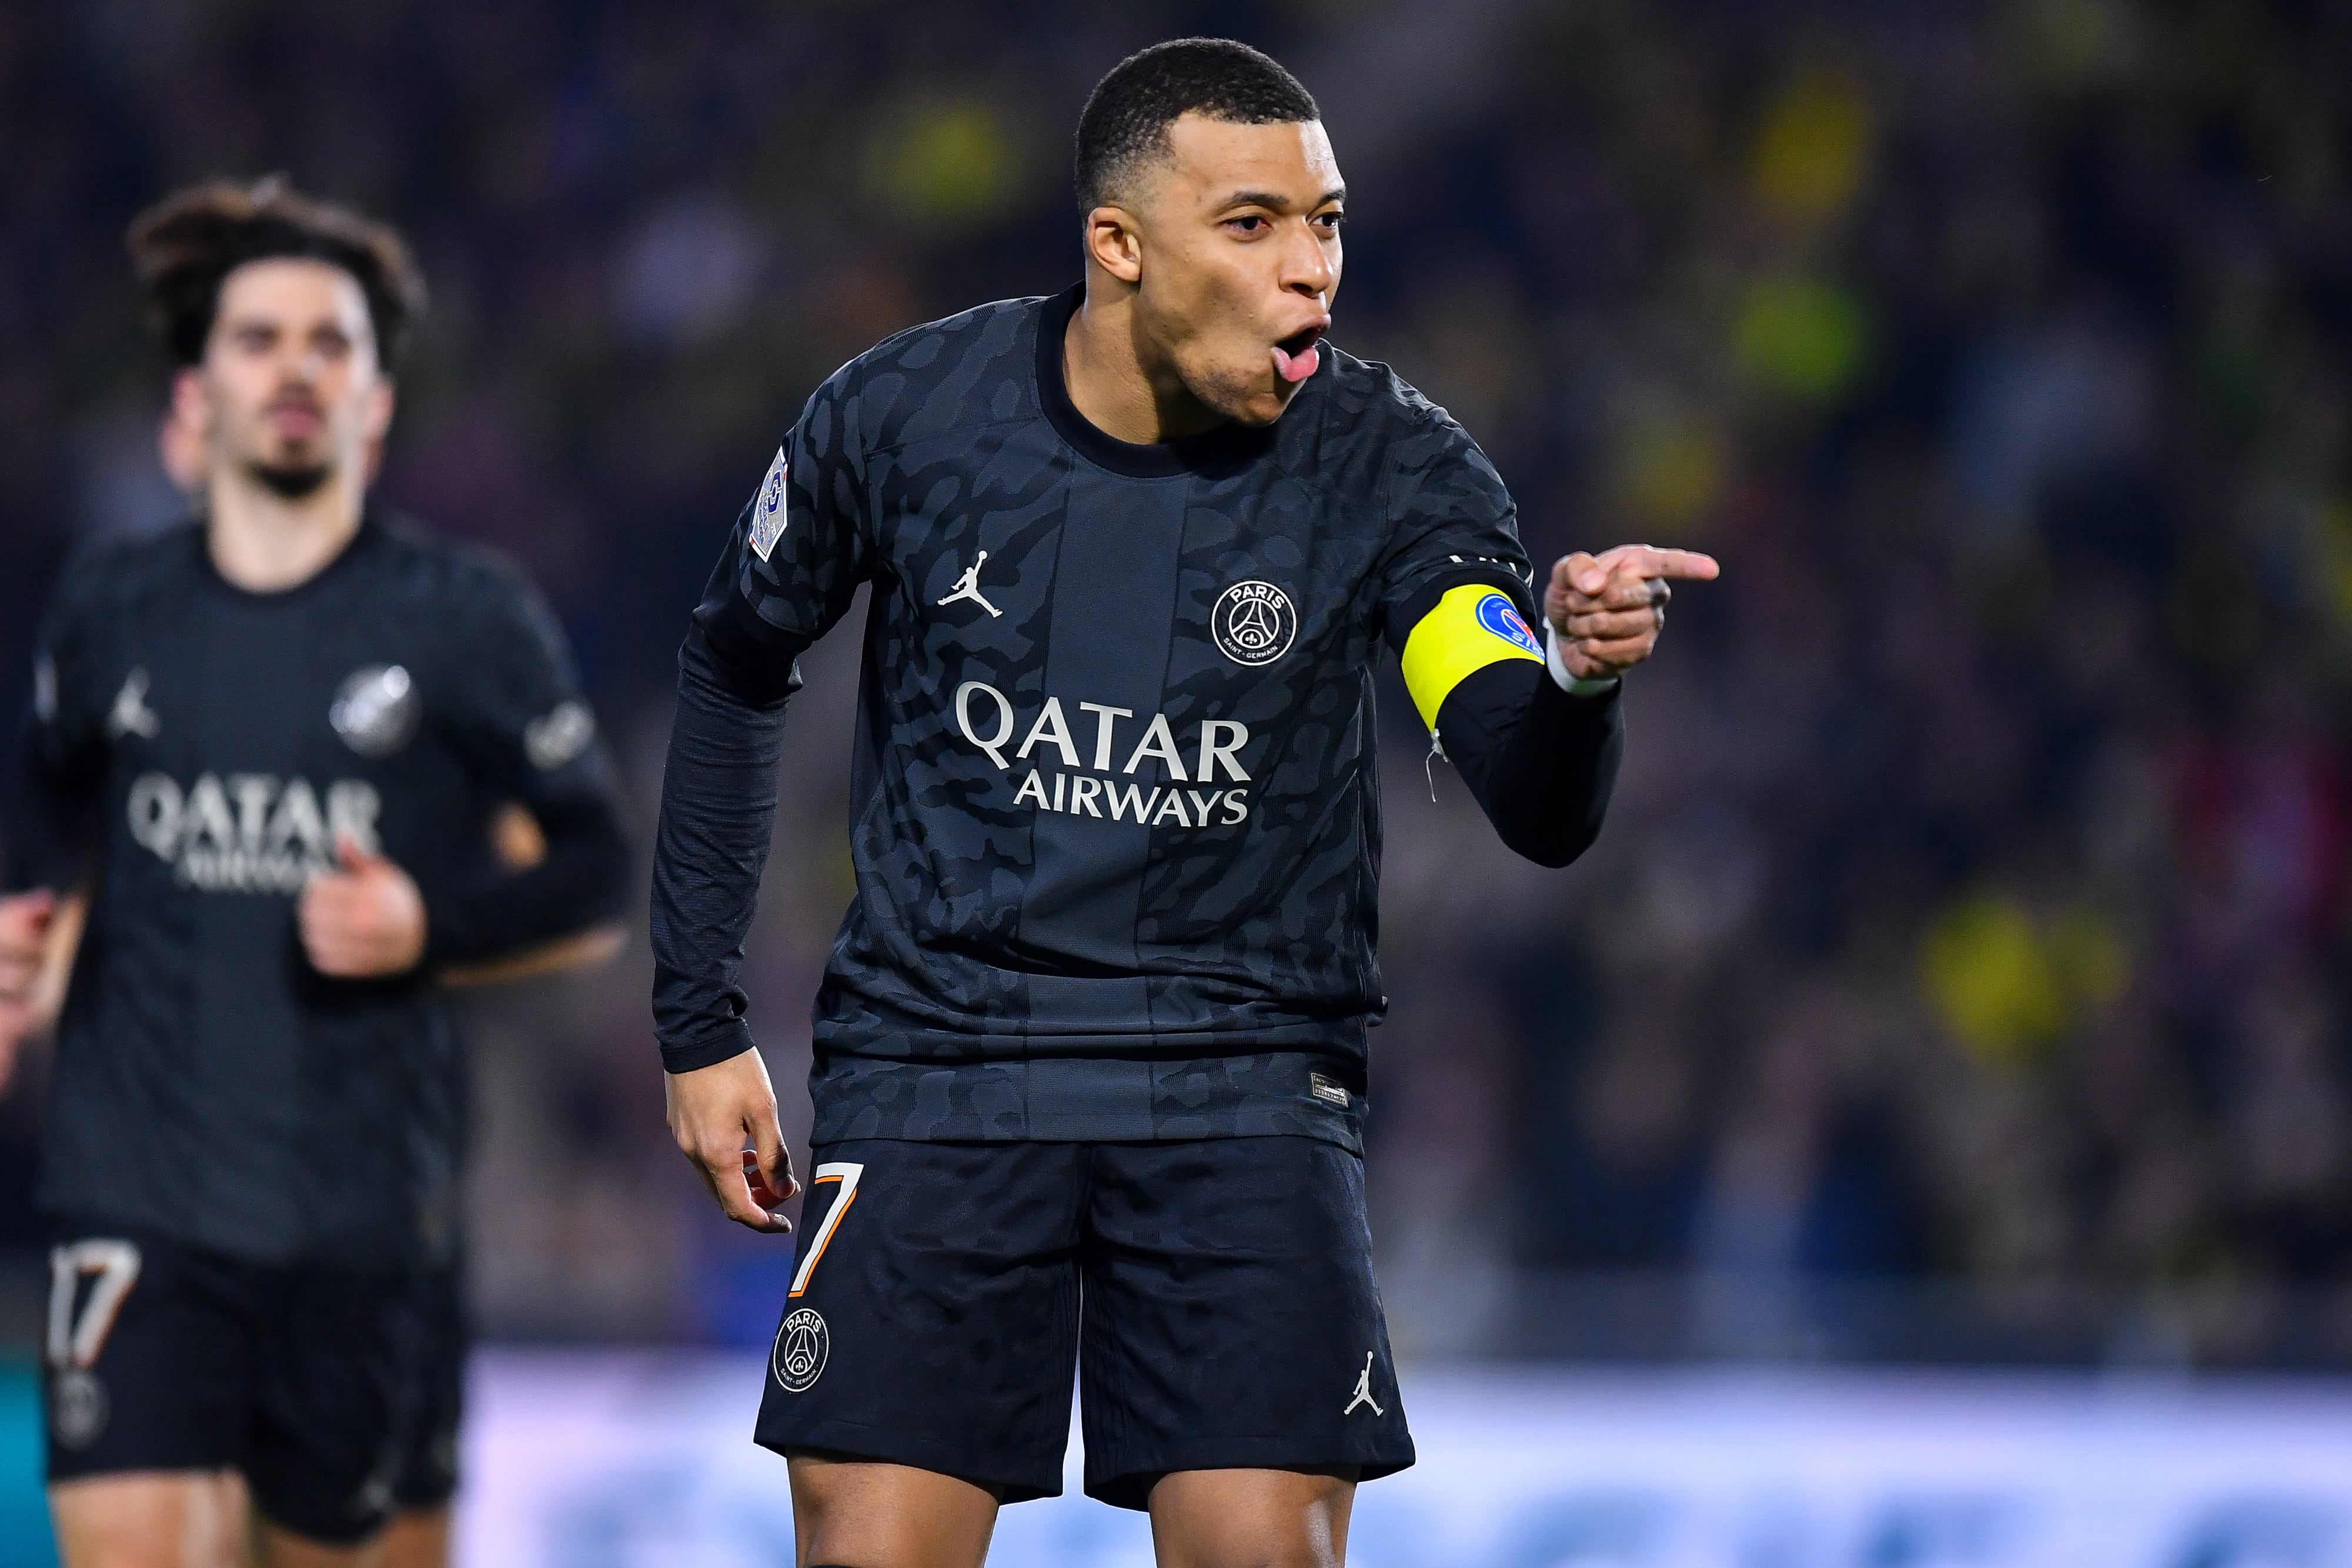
1497	615
1253	623
768	511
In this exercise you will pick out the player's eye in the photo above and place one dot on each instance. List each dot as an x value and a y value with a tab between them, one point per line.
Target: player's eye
1248	223
1330	221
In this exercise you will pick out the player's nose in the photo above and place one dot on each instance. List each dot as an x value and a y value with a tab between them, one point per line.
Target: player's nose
1306	267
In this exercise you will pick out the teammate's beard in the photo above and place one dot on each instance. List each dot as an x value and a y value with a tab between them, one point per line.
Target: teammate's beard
287	481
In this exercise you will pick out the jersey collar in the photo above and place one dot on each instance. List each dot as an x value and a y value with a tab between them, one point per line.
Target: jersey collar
1221	447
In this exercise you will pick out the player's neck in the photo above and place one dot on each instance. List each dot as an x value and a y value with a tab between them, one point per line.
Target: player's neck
1115	388
264	542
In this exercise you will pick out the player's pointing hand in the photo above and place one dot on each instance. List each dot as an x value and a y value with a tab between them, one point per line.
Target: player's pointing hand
1608	610
363	921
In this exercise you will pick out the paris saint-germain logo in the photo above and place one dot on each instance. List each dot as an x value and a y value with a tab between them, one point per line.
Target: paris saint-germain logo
1496	615
376	710
802	1346
1254	622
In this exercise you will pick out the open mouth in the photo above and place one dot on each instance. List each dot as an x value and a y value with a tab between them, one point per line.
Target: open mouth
1295	358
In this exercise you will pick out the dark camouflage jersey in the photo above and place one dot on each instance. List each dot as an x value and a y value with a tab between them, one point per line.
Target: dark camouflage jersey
1115	806
193	755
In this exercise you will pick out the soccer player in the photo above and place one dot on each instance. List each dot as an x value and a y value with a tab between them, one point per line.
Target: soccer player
1090	1047
266	752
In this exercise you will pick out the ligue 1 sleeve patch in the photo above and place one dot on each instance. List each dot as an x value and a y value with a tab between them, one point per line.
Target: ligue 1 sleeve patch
768	511
1497	615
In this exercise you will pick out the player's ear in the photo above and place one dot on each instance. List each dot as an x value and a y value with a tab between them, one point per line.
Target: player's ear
1115	243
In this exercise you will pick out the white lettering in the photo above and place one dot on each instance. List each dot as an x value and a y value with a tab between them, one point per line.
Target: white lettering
155	813
252	792
1158	742
296	824
1236	807
1083	791
1212	753
1134	799
1173	803
1104	719
1204	807
353	807
994	747
1050	727
1033	788
1059	779
205	818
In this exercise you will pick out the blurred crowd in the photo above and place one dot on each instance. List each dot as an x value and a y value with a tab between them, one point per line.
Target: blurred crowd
1971	920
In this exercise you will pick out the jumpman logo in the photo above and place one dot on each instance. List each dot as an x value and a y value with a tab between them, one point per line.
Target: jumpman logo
1364	1391
968	587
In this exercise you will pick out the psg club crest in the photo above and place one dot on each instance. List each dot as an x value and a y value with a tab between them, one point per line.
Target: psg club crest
768	511
77	1406
376	710
1254	622
801	1345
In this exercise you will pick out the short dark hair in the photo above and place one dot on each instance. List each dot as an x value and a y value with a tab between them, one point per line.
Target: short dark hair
186	244
1126	115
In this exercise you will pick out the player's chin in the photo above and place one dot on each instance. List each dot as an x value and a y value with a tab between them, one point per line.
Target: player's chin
1261	406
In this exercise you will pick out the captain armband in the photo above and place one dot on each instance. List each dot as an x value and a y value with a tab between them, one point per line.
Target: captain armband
1471	627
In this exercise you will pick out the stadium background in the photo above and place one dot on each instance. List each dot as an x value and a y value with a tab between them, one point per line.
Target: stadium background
1960	980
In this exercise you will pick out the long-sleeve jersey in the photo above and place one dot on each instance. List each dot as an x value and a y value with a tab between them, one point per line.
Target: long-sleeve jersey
194	754
1115	810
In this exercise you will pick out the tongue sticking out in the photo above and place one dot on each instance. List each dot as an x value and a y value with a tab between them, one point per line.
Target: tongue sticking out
1296	366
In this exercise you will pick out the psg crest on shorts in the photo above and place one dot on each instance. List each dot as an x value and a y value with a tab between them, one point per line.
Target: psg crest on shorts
1253	623
376	710
801	1345
77	1406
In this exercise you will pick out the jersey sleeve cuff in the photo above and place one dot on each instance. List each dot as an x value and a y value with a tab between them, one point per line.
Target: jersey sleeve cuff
1561	678
688	1056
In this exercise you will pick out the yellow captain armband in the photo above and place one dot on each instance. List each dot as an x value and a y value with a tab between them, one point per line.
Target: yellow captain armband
1473	626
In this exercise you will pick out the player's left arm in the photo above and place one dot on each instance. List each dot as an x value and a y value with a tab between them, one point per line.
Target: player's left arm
1534	728
534	738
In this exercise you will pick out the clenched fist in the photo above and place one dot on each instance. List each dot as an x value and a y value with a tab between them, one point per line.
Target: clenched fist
1608	610
364	921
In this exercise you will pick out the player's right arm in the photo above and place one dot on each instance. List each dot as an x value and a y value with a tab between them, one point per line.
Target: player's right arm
47	823
789	570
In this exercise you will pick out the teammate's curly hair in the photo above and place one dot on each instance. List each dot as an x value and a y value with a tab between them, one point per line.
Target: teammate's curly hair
1126	115
186	244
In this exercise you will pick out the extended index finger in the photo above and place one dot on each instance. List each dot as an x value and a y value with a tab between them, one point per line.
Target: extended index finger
1649	561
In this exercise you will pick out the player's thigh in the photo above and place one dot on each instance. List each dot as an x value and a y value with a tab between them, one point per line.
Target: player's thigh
931	1317
186	1519
337	1364
1251	1519
145	1365
857	1513
416	1538
279	1547
1231	1319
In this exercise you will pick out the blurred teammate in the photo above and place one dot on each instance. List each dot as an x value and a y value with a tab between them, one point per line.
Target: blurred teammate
1090	1049
265	754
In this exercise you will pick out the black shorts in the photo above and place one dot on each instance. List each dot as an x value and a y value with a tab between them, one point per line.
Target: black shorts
160	1356
1216	1296
427	1477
